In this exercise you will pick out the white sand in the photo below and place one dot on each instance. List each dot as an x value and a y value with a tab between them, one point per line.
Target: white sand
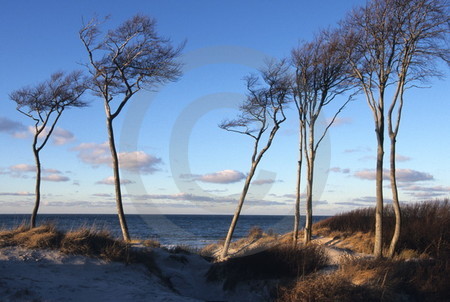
43	275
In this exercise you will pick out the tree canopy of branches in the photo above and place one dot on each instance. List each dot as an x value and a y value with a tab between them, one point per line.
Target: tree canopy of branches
321	75
44	104
260	117
393	43
121	63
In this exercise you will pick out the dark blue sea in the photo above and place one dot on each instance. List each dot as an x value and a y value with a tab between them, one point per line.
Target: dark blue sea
191	230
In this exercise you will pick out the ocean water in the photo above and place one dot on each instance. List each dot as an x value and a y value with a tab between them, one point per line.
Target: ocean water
191	230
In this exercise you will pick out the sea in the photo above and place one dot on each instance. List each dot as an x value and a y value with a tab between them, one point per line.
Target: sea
195	231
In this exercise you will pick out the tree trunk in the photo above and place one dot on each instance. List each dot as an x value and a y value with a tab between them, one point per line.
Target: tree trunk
298	189
238	211
297	204
309	185
378	246
115	163
395	200
308	222
37	188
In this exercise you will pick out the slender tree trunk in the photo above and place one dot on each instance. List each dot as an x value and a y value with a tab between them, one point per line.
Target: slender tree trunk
298	188
115	163
37	188
378	246
309	184
395	200
226	245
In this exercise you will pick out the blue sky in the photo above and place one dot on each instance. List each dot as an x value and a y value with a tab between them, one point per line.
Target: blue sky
175	158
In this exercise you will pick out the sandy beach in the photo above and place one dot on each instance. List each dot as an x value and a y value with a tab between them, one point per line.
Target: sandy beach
47	275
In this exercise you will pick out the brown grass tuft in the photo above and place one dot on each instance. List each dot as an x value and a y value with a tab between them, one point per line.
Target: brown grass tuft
45	236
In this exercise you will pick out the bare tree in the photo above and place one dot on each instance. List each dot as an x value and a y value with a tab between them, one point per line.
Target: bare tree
44	104
127	59
388	43
321	75
261	111
423	27
371	48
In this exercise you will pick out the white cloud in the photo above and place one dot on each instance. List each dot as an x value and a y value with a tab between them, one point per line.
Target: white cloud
138	161
59	136
22	168
110	181
55	178
99	154
403	175
221	177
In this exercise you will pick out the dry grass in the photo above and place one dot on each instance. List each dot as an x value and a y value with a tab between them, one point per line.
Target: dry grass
419	272
84	241
278	262
374	280
255	242
45	236
425	230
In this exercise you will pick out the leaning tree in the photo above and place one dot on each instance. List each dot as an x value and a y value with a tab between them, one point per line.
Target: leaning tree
262	110
321	76
123	61
44	104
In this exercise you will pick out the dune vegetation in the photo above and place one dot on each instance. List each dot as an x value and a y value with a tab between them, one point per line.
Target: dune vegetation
420	270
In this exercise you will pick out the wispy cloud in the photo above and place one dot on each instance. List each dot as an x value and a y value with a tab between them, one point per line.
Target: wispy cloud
221	177
11	127
261	182
403	175
55	178
339	170
339	121
402	158
359	149
110	181
25	171
16	194
98	154
59	136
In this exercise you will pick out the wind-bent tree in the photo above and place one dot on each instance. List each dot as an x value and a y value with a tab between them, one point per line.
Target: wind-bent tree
121	63
321	75
261	111
423	26
392	43
44	104
370	44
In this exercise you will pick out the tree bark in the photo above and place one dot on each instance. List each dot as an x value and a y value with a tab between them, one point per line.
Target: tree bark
37	187
298	188
226	245
309	183
395	200
115	164
378	246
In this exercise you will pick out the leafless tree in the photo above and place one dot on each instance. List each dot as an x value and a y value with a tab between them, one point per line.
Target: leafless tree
423	27
44	104
321	75
390	43
261	111
121	63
